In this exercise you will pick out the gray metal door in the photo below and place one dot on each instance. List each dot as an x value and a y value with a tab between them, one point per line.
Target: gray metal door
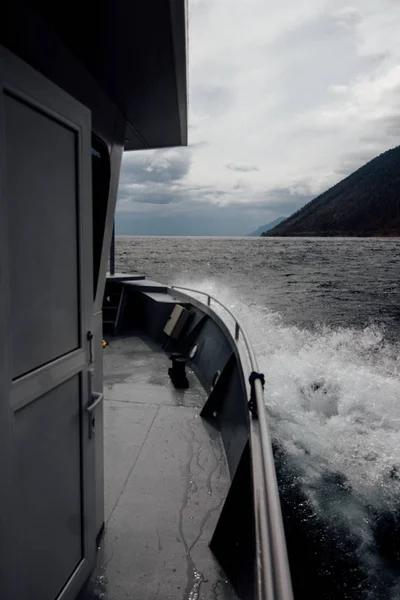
47	535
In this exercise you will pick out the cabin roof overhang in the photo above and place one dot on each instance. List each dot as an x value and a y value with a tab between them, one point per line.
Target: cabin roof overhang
135	51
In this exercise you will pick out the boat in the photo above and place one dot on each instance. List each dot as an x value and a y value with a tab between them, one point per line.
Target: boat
135	455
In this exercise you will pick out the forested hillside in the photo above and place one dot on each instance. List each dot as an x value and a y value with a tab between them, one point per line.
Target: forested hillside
366	203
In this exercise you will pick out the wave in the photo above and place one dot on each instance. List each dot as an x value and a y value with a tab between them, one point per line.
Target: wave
333	398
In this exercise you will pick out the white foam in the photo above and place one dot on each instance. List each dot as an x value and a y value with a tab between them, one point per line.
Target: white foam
333	397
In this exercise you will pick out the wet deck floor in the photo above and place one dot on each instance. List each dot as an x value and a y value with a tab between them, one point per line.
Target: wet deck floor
165	482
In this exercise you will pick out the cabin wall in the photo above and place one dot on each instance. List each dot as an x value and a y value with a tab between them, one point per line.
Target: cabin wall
27	35
109	126
46	305
146	87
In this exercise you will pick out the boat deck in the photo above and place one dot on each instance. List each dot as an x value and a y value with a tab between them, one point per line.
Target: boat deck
165	482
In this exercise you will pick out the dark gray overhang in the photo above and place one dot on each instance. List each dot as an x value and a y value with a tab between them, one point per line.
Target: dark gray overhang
134	50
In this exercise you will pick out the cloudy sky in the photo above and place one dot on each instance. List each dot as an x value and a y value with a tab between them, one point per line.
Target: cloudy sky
285	99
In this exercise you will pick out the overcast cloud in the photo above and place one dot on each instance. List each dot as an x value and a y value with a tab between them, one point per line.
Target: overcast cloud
285	99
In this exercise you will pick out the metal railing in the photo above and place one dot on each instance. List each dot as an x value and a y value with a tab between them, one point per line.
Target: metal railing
272	565
238	326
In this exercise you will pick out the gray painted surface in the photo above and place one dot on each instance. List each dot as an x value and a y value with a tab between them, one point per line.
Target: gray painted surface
127	425
116	151
233	420
8	471
213	351
49	491
122	277
49	531
42	221
166	479
107	120
98	415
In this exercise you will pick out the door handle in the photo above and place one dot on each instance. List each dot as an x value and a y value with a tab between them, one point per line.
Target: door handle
97	398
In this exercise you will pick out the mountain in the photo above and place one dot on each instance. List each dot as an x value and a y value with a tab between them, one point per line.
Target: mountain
366	203
266	227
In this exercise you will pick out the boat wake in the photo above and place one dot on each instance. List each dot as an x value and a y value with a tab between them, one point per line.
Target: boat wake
333	397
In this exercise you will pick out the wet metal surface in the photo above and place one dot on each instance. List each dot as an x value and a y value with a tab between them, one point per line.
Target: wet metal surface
166	479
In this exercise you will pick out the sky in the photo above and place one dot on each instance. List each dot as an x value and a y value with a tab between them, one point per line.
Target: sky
285	99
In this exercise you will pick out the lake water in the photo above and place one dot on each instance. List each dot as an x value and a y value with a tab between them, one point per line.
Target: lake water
324	318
